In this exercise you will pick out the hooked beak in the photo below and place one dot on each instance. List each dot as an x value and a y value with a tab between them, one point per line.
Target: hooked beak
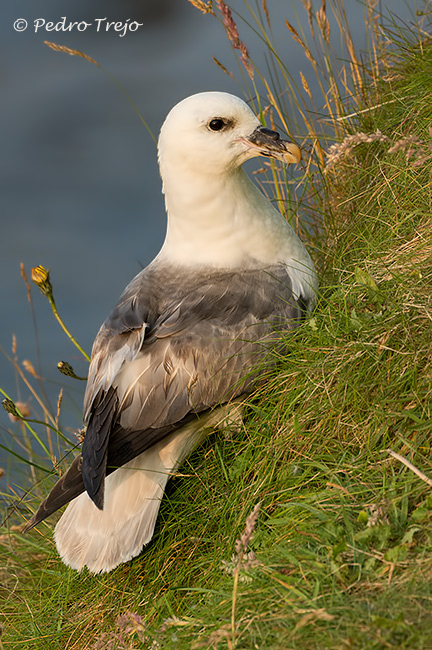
264	142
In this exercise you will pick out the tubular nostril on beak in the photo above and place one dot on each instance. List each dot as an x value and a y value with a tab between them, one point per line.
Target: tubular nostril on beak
265	142
273	135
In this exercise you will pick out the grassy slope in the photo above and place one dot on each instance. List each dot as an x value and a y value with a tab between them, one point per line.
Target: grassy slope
344	535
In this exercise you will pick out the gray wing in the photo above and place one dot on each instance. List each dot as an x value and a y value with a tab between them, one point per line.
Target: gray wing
176	345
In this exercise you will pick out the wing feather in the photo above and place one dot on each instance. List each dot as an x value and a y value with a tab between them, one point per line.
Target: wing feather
176	345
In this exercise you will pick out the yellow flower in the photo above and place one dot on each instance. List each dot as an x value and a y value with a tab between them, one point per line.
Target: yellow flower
40	276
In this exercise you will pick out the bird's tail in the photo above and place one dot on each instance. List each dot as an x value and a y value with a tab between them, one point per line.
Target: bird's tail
103	539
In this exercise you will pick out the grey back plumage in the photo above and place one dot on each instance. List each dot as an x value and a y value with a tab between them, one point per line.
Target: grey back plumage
178	343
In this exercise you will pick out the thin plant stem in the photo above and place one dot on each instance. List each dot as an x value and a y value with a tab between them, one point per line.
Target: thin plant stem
72	52
29	386
32	431
65	329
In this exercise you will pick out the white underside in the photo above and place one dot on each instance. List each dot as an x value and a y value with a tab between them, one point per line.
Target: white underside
103	539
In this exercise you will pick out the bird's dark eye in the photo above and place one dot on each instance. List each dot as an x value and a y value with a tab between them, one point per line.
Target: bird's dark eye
216	124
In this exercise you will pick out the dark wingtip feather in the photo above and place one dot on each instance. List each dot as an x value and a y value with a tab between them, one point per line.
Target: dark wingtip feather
95	445
31	523
69	486
98	497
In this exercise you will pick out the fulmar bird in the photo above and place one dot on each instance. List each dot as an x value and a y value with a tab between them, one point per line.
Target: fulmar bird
188	334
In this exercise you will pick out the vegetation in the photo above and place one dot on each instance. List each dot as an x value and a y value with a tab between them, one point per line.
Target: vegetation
311	525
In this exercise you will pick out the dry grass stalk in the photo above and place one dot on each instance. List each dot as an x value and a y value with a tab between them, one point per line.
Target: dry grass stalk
410	466
323	22
222	634
222	67
68	50
205	7
298	40
241	547
413	253
312	615
416	150
305	85
368	109
275	105
59	403
40	401
242	544
26	282
338	151
355	65
233	36
267	15
372	25
331	97
129	625
30	368
307	4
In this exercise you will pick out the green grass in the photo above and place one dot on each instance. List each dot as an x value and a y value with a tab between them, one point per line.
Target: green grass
342	545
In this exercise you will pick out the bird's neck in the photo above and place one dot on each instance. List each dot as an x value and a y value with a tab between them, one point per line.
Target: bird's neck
224	221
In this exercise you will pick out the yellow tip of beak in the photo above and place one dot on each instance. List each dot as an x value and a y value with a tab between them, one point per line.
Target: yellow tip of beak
293	153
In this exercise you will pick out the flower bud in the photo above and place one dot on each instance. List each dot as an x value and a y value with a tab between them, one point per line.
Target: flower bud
66	369
9	406
17	410
40	277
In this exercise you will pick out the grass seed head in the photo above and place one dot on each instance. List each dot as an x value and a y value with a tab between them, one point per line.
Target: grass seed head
233	36
205	7
30	368
242	544
68	50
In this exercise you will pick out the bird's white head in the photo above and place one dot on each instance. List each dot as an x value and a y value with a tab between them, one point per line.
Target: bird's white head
216	216
214	133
